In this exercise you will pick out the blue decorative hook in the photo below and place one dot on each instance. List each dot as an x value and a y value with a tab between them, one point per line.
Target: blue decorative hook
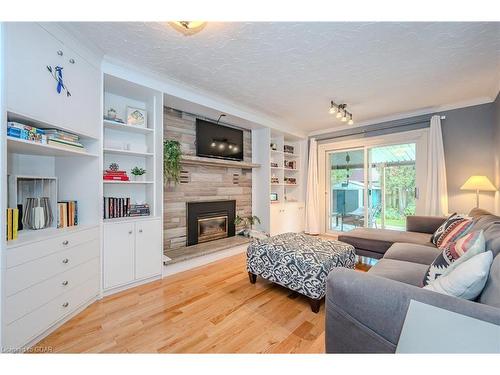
56	73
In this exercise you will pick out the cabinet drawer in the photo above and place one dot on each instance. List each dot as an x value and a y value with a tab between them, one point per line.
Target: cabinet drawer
25	253
31	273
22	303
23	330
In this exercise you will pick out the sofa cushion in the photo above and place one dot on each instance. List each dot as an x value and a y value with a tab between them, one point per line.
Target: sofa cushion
490	225
380	240
491	292
410	252
465	281
454	254
399	270
454	225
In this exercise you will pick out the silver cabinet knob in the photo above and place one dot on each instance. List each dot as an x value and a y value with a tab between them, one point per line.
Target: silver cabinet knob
65	304
65	242
71	61
65	282
65	261
129	232
140	230
60	53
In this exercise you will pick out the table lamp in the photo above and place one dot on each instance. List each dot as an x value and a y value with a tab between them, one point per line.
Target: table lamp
478	183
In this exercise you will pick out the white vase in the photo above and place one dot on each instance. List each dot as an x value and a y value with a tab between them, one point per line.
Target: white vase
142	177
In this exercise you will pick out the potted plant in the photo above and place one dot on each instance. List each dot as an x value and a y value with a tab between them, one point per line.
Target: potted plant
171	160
247	223
138	173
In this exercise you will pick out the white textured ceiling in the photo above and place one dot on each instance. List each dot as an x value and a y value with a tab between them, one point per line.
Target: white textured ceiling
291	71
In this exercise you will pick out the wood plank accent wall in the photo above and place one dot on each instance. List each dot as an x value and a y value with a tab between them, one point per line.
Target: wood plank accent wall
199	182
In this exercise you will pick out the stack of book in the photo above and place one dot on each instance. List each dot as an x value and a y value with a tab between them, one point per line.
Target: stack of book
115	175
28	133
116	207
139	210
67	214
63	139
12	223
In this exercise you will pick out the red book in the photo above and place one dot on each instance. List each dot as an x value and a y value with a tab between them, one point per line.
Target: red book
116	178
115	172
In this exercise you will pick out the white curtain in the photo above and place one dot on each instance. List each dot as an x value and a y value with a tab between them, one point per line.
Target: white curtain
436	197
312	193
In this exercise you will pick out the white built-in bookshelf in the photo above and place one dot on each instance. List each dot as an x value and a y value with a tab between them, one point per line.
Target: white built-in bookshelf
132	146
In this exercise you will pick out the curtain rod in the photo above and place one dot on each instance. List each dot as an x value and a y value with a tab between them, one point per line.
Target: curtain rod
367	131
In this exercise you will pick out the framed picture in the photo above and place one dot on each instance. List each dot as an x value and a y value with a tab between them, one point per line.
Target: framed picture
274	197
136	117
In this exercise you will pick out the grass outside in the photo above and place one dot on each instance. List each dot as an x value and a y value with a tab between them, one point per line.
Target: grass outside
399	223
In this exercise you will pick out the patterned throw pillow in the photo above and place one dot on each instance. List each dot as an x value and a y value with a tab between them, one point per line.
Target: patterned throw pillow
452	229
455	253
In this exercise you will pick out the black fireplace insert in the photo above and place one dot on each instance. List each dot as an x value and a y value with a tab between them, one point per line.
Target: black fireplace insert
208	221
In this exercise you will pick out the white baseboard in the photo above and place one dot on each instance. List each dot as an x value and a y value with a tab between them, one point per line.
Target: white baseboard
172	269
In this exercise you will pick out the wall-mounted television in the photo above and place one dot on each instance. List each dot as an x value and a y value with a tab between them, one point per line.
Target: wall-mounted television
218	141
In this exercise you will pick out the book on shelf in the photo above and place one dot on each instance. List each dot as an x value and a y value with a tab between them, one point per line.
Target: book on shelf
12	223
115	175
67	214
114	208
26	132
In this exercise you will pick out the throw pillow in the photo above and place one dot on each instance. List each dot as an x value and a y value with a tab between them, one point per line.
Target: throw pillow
455	253
467	280
454	227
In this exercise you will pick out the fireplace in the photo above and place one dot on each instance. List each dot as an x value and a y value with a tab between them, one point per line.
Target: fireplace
209	221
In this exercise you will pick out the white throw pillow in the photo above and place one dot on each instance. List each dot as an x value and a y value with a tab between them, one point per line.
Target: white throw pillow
467	280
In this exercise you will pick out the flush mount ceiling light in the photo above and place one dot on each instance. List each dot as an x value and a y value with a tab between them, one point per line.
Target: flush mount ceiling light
340	112
188	27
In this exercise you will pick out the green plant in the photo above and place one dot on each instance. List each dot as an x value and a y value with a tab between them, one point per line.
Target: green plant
136	171
246	221
171	160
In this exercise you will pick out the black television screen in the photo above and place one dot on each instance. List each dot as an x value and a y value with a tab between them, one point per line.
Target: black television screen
217	141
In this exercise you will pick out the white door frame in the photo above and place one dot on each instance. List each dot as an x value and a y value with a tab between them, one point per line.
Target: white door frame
419	137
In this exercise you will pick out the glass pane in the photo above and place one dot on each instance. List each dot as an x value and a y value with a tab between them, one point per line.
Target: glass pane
346	190
392	185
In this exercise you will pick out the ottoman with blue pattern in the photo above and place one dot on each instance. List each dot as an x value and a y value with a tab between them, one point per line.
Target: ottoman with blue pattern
298	262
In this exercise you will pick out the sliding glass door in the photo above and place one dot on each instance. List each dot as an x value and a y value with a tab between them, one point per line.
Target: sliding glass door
374	185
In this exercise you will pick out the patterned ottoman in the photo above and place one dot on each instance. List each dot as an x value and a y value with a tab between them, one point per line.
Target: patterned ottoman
298	262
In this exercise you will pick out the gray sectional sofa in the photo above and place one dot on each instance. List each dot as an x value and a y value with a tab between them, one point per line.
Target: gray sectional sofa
365	311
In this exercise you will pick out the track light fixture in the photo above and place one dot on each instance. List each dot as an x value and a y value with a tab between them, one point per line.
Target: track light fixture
340	112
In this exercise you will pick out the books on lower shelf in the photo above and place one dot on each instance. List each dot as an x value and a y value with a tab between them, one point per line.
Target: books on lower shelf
62	139
26	132
114	208
110	175
12	223
67	214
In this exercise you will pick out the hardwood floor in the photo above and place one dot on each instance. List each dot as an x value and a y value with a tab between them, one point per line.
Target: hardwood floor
211	309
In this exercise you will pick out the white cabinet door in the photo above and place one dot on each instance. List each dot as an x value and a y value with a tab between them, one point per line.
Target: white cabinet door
118	254
277	214
31	90
148	249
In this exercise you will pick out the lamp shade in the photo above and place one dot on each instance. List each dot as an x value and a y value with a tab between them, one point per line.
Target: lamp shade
481	183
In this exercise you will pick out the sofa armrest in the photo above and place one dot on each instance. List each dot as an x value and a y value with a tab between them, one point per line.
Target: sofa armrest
365	313
423	224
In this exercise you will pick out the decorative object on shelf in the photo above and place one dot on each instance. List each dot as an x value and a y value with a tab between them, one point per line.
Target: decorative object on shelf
37	213
290	164
274	179
26	132
111	114
138	173
288	149
247	223
274	197
171	160
274	147
56	73
136	117
290	181
188	28
64	139
114	167
340	112
12	223
274	164
67	214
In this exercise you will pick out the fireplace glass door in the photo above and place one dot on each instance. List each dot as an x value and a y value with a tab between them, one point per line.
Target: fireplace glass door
212	228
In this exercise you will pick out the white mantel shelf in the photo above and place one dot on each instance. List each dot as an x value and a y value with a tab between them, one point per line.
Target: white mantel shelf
196	160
